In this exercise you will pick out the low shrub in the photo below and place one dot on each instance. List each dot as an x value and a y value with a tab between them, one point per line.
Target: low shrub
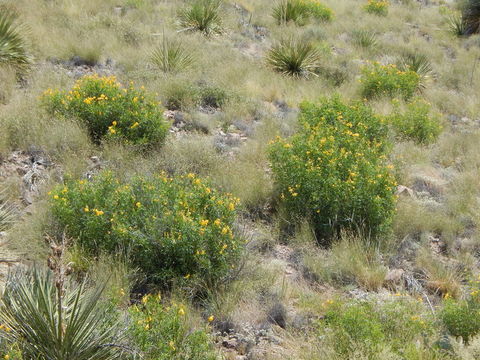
170	228
111	111
377	7
334	170
301	11
416	122
162	332
203	16
369	328
365	39
461	318
295	58
419	63
471	17
387	80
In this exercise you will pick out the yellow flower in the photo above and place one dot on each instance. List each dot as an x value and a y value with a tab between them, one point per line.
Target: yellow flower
138	204
6	357
187	276
217	222
211	318
172	345
204	222
86	209
56	197
231	206
225	230
147	326
181	312
191	175
112	130
98	212
114	123
134	125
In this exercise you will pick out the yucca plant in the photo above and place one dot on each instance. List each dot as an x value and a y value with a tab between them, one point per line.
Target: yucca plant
7	213
204	16
171	56
295	58
12	45
457	25
471	17
419	63
51	317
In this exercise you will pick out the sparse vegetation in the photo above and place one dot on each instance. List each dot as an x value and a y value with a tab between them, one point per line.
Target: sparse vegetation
138	125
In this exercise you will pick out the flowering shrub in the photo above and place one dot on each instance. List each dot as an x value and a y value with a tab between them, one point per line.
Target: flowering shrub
387	80
416	123
162	332
378	7
317	10
110	110
169	227
334	170
461	318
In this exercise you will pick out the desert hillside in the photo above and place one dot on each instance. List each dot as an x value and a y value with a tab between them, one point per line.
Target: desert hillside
239	180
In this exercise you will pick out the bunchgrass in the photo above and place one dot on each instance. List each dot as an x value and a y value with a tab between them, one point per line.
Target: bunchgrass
171	56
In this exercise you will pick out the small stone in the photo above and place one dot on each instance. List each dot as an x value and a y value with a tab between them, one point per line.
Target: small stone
405	191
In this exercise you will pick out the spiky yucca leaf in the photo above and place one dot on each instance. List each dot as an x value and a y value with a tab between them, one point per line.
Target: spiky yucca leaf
203	16
420	64
365	39
7	213
171	56
295	58
290	10
12	45
457	25
80	329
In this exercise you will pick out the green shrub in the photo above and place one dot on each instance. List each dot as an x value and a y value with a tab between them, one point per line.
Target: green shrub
171	56
162	332
12	45
461	318
33	318
111	111
377	7
416	122
212	96
368	327
334	170
295	58
387	80
204	16
300	11
419	63
169	227
180	95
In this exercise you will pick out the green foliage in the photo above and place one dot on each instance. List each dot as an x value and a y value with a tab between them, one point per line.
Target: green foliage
419	63
184	95
300	11
334	170
457	25
387	80
203	16
170	228
12	45
461	318
171	57
162	332
43	328
416	122
369	328
295	58
111	111
377	7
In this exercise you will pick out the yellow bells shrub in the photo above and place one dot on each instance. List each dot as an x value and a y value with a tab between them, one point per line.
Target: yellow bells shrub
170	228
110	110
334	170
